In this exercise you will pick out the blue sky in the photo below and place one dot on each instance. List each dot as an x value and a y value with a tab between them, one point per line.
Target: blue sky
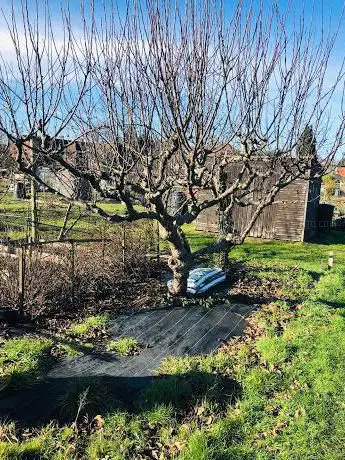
330	11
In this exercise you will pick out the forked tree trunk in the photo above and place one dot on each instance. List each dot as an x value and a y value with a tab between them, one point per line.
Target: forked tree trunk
180	258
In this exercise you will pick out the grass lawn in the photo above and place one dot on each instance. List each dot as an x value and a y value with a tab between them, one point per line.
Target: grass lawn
51	214
23	361
276	393
88	325
309	256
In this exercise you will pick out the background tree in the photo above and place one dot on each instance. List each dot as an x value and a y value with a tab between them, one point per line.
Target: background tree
6	161
168	95
306	146
330	185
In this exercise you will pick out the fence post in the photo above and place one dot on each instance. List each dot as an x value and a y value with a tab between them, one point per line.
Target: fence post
123	244
103	246
33	200
103	255
158	241
330	260
72	270
21	279
11	248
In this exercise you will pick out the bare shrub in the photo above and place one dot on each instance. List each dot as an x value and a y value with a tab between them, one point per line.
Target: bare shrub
8	281
62	277
47	280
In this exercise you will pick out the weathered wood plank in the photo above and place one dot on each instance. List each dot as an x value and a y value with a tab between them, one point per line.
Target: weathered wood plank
292	216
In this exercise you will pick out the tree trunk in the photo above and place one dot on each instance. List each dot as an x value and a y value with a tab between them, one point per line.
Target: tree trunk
180	272
224	230
180	257
224	225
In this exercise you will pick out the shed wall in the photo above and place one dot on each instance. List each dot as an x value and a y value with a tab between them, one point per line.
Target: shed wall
292	216
312	214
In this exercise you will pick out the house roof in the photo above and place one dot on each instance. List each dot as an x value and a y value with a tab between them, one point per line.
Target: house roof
340	171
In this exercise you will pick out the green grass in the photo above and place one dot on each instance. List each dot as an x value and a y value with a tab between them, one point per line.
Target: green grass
308	256
125	346
330	290
277	395
24	360
292	404
197	239
41	446
121	434
71	350
88	325
160	415
287	271
85	395
51	214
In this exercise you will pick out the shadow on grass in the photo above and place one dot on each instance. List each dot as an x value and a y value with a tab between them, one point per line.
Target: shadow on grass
315	276
60	399
328	238
331	304
287	272
266	283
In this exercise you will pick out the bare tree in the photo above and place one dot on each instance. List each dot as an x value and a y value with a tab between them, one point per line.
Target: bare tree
167	96
6	161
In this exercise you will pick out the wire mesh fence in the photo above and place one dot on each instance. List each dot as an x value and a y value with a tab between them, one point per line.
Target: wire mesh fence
37	278
53	217
50	225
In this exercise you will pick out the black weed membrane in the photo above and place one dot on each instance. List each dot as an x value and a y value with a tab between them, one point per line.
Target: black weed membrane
93	380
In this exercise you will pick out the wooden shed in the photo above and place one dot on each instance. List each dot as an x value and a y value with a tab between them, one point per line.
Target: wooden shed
292	216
